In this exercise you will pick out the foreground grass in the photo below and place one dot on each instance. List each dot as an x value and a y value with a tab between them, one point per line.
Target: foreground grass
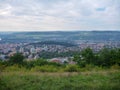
88	80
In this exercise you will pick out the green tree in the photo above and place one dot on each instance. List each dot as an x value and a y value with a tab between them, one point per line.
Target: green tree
85	57
16	59
40	62
88	56
118	57
108	57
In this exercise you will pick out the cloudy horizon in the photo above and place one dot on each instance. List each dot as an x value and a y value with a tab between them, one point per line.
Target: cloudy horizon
59	15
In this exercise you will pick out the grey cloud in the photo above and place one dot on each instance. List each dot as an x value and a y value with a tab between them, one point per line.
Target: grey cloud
60	13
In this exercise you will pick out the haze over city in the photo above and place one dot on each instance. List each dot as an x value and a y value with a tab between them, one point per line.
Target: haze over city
59	15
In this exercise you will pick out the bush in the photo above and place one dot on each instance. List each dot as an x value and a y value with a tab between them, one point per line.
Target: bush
116	66
3	85
89	66
17	58
45	68
2	67
14	68
33	63
71	68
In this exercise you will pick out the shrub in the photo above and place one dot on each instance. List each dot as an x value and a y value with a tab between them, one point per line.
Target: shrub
16	59
116	66
45	68
33	63
3	85
14	68
2	67
71	68
89	66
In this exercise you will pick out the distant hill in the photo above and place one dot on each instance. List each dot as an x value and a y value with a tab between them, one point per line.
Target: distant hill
60	36
66	44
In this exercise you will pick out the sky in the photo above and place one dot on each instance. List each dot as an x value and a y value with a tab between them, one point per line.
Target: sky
59	15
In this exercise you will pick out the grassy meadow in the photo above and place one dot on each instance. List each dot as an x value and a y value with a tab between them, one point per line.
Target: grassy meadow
104	79
92	71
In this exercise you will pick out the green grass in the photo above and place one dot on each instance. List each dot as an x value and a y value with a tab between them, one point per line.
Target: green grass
87	80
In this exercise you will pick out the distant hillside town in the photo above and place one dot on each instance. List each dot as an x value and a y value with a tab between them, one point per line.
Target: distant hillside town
55	44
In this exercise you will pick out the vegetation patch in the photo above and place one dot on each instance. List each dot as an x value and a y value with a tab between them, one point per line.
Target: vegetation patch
100	80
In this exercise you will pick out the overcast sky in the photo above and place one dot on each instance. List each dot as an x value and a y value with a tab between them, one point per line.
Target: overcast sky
53	15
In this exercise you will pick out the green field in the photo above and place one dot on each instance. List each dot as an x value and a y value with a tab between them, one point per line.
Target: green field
93	72
87	80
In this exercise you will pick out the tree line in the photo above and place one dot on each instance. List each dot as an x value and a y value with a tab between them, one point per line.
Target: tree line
104	58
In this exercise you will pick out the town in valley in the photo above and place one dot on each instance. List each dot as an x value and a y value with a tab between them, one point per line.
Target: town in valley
55	45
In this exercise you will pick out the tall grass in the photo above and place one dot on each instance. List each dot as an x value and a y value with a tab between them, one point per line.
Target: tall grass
88	80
